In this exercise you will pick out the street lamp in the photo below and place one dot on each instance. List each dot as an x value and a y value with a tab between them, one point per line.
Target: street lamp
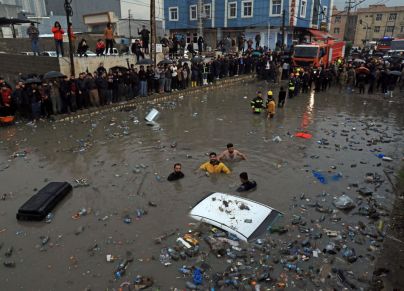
69	13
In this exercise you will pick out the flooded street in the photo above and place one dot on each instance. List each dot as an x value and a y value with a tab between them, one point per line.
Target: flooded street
125	164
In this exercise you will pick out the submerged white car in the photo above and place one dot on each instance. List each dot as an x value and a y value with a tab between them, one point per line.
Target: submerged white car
245	218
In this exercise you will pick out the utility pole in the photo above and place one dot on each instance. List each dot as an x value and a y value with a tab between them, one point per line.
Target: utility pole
283	29
130	28
69	13
200	17
153	30
348	14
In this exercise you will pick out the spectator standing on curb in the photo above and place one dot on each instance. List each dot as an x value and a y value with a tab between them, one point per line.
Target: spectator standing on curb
58	37
201	43
136	49
33	33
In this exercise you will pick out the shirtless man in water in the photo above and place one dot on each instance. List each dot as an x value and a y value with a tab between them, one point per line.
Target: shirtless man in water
231	154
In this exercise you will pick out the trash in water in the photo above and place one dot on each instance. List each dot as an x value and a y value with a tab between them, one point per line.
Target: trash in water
20	154
277	139
320	177
344	202
49	217
152	115
303	135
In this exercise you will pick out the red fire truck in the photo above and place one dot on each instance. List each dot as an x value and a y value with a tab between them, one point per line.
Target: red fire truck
318	54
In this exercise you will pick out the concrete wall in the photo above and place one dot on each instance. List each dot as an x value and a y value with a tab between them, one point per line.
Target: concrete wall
13	65
91	64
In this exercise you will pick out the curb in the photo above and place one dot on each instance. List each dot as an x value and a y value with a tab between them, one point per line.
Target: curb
152	99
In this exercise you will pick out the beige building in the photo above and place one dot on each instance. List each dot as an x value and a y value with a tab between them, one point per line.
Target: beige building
338	24
378	21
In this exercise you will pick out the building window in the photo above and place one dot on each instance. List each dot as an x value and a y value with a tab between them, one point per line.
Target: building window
303	8
376	29
276	7
337	19
336	30
207	9
402	29
392	16
173	13
389	28
325	12
379	16
232	10
247	9
193	12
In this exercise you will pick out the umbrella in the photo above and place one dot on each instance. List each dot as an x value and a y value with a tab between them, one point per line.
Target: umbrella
119	68
183	60
359	61
395	73
53	75
256	54
33	81
362	70
165	62
197	60
145	62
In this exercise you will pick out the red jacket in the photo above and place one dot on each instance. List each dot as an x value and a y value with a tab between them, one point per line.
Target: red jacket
57	33
6	95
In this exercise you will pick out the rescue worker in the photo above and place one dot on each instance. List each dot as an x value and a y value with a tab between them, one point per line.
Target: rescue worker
281	97
257	104
270	105
291	86
214	166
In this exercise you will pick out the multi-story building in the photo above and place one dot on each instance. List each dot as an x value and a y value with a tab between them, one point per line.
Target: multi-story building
31	7
379	21
220	18
339	22
19	9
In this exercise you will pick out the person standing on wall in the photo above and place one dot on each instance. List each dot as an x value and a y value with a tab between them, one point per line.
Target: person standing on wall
72	35
109	38
33	34
145	34
58	37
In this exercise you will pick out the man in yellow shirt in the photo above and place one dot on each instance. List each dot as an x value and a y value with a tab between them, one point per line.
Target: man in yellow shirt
214	166
270	105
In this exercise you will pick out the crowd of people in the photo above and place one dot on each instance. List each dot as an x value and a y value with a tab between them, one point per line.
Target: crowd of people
43	98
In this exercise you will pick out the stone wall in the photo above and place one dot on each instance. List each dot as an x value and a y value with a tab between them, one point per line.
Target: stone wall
13	65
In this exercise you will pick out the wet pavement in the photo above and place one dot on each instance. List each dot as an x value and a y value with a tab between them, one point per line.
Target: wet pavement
121	200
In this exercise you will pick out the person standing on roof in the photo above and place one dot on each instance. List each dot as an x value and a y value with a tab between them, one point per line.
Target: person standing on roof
109	38
58	37
33	33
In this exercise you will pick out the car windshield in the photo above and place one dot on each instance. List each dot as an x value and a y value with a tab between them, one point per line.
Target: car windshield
306	51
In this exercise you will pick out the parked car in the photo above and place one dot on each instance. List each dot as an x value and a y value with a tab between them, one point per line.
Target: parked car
49	54
27	53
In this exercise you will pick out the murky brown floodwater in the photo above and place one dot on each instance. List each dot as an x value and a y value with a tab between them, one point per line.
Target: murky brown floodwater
115	146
